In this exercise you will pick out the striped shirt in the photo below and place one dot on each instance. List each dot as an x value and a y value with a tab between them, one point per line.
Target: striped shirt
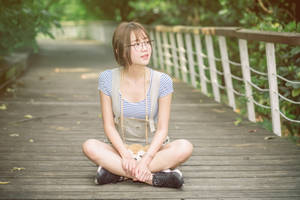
136	109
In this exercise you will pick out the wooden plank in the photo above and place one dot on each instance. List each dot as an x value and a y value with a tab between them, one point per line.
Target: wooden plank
246	194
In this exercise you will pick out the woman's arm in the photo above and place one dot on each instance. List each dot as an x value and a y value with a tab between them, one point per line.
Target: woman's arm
109	125
161	133
142	171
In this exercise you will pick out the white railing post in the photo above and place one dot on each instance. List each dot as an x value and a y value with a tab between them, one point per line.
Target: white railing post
154	53
212	67
200	63
159	49
247	78
190	58
166	52
174	54
182	58
227	72
273	88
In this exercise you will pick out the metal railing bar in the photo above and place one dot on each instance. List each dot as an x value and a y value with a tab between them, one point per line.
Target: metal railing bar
236	77
258	104
289	100
293	82
258	88
258	72
285	117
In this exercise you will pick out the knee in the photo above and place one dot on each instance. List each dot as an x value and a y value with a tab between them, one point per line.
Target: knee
185	149
89	146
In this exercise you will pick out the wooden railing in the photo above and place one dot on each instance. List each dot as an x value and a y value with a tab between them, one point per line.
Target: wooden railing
179	51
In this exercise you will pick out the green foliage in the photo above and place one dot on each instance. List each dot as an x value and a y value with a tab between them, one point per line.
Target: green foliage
21	21
70	10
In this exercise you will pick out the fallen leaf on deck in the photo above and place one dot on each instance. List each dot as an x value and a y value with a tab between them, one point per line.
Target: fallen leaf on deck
60	128
28	116
244	145
89	76
14	135
237	121
99	116
3	107
4	182
259	119
49	95
31	140
269	137
17	169
10	90
218	110
78	122
252	131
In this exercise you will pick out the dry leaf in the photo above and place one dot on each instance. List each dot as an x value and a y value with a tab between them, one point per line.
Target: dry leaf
10	90
4	182
78	122
252	131
14	135
218	110
49	95
259	119
269	137
17	169
3	107
28	116
89	76
244	145
31	140
237	121
60	128
71	70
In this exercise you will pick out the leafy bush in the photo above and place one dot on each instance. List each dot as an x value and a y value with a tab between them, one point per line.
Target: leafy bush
21	21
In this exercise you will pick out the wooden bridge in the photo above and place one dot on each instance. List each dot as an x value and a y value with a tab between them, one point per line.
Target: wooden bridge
54	108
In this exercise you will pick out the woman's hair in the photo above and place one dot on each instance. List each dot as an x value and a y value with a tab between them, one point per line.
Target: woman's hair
121	40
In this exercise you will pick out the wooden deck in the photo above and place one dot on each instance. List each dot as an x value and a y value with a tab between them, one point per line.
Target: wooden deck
41	157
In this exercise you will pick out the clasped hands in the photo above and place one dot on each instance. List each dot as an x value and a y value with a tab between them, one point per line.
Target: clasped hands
137	169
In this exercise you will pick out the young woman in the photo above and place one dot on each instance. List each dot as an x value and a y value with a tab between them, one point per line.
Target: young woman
135	103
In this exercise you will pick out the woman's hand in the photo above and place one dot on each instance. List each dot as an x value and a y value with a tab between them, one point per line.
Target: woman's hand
142	172
129	165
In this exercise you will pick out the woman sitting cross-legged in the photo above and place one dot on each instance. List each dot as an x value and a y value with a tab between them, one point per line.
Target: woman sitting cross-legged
135	103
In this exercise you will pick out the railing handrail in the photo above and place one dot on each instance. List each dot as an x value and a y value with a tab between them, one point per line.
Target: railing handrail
291	38
180	48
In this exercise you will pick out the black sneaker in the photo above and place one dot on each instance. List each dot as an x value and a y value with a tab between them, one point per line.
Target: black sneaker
104	177
171	179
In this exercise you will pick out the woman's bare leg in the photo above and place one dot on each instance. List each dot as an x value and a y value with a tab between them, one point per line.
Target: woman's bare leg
105	156
171	155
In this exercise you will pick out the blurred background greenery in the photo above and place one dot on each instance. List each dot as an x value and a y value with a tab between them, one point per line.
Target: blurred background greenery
22	20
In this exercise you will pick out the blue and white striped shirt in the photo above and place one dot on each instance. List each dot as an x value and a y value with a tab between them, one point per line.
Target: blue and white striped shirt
136	109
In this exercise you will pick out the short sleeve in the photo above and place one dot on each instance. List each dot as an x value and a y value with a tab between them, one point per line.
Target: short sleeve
104	82
166	85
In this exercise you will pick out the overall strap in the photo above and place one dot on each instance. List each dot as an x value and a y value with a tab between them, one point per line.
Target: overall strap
154	92
115	93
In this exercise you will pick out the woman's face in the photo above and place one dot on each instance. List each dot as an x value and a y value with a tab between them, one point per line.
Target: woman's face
140	48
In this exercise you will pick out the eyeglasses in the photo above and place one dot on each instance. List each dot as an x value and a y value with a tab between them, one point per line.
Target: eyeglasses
138	46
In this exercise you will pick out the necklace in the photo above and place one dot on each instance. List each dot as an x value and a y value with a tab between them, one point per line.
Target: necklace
146	109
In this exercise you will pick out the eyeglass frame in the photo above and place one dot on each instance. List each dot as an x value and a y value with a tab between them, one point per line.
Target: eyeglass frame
147	43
